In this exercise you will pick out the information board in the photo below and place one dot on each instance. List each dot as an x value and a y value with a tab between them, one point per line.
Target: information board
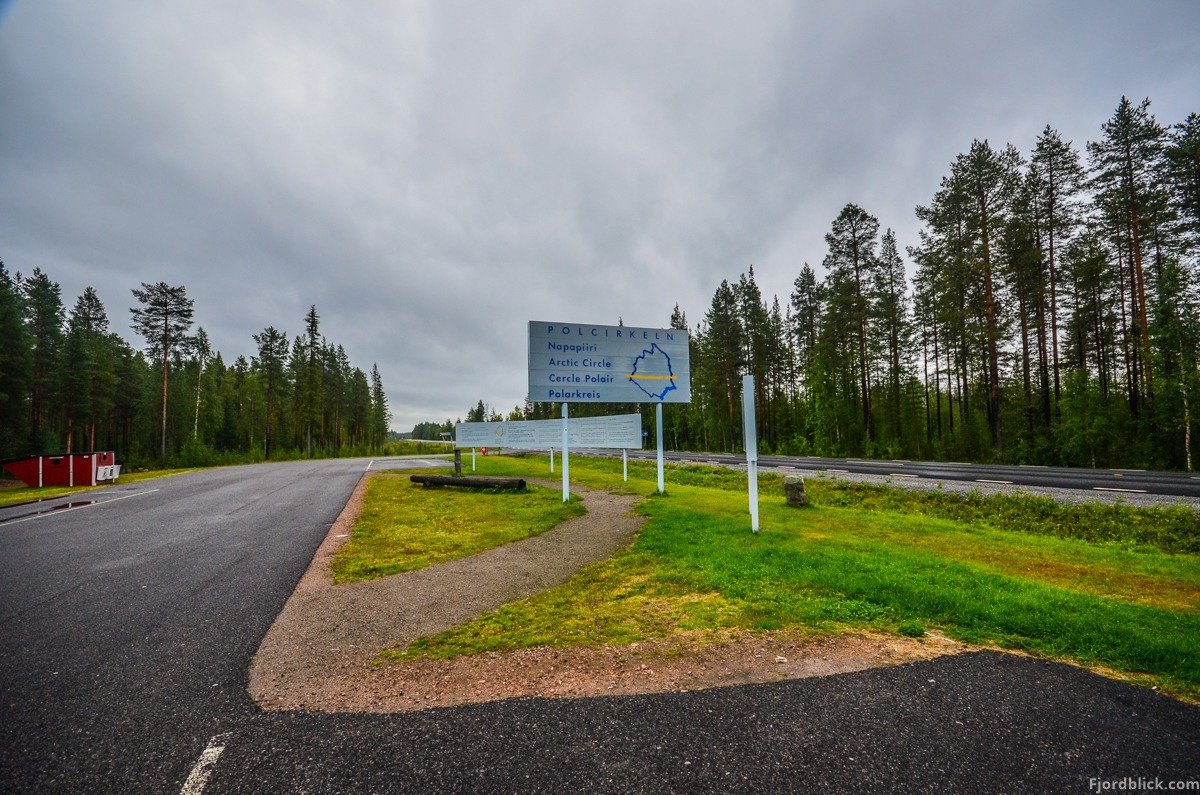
620	431
572	363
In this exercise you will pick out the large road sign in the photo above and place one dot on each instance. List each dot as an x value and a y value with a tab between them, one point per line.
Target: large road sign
573	363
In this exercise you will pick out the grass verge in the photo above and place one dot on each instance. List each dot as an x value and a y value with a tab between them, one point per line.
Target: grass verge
1114	587
18	494
404	526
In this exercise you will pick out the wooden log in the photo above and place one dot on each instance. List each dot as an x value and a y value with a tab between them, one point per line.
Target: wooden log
470	482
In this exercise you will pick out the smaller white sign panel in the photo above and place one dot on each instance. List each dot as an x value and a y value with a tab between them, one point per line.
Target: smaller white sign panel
619	431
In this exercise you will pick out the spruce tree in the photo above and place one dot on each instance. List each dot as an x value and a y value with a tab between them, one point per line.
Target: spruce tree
379	409
44	320
272	360
16	368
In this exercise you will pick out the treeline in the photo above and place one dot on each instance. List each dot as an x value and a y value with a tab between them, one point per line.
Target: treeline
68	383
1053	318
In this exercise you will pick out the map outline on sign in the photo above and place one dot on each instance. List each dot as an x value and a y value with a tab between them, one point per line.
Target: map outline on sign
637	378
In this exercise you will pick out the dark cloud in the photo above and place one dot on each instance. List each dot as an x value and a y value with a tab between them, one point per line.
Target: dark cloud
434	175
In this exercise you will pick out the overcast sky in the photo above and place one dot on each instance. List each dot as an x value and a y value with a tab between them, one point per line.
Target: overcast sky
434	175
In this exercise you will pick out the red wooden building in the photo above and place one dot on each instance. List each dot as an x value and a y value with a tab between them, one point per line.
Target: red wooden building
75	469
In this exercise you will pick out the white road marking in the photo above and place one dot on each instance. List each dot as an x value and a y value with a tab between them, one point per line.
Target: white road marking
839	471
1131	491
204	766
901	475
1034	466
1000	482
369	463
53	512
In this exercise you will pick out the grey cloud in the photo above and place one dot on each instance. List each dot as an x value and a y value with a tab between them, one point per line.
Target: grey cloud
434	175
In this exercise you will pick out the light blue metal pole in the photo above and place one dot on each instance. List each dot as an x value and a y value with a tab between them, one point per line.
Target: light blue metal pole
751	426
658	422
566	465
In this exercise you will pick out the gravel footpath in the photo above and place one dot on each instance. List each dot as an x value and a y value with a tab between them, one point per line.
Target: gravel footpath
319	651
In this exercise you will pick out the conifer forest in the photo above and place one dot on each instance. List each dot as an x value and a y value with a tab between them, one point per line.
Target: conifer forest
69	383
1049	314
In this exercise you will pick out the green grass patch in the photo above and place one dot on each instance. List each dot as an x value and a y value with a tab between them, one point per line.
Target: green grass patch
1111	586
405	526
1170	529
11	494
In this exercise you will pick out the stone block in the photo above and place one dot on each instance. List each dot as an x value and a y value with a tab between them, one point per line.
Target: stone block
793	487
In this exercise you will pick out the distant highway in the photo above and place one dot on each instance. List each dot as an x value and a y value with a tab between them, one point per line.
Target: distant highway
1129	481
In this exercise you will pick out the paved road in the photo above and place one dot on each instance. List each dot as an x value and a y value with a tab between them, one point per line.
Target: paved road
126	629
1130	481
128	624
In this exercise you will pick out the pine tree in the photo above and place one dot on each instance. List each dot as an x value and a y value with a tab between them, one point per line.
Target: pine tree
989	180
1058	180
163	319
853	266
1125	165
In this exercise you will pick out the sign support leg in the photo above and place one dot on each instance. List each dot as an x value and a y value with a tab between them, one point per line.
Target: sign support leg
566	465
625	462
551	460
751	426
659	430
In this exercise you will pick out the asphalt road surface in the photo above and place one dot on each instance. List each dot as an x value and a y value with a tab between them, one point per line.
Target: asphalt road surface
128	618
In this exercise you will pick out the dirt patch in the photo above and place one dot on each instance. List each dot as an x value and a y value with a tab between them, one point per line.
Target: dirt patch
320	654
579	672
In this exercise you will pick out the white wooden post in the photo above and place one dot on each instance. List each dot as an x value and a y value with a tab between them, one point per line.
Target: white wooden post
751	446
